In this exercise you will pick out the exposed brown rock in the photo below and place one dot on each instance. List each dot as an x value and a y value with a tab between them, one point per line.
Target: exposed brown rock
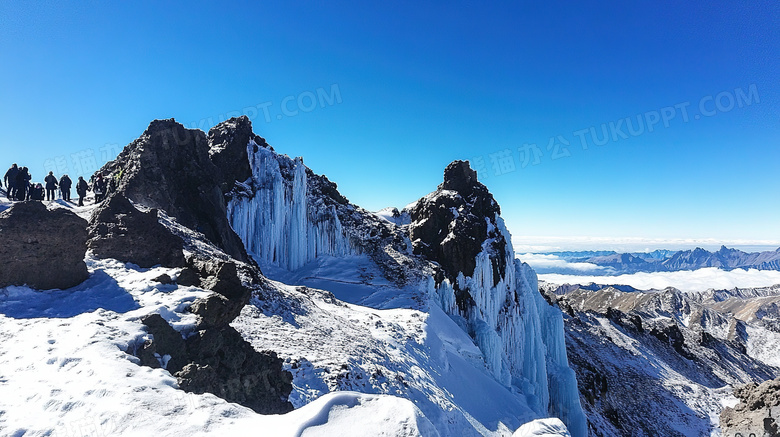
119	230
42	248
757	413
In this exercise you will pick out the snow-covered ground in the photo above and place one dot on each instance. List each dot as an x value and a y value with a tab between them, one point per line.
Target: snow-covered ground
422	356
82	211
65	369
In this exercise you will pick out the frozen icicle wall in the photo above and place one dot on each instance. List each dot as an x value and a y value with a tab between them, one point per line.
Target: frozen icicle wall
564	396
524	328
276	218
504	323
520	335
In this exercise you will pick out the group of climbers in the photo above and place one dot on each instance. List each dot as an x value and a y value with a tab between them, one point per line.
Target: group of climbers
20	188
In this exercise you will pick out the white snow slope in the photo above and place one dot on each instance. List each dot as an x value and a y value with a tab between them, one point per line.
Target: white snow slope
65	370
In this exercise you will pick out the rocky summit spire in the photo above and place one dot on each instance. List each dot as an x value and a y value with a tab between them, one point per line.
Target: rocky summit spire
458	176
450	225
228	143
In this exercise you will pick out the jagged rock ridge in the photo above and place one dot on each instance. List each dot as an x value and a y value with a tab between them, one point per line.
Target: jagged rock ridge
671	261
676	350
169	169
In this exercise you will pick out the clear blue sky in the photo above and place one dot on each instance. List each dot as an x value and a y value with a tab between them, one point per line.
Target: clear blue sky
407	87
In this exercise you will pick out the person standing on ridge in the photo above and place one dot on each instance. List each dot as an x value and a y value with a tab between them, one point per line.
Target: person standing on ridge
21	181
81	189
36	192
10	181
99	187
65	184
28	183
51	186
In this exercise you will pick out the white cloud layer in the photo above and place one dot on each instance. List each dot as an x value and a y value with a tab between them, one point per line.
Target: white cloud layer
695	280
543	262
634	244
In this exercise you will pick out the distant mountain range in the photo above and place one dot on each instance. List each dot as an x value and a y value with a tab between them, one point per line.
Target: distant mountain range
671	261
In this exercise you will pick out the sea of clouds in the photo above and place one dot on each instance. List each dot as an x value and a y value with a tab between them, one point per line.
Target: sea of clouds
540	244
547	263
687	280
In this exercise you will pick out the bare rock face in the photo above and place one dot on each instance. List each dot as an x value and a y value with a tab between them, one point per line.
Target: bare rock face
224	364
166	348
758	412
119	230
42	248
450	225
228	149
169	168
459	207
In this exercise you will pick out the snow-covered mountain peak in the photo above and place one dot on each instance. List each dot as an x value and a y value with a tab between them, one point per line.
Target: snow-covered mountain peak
344	301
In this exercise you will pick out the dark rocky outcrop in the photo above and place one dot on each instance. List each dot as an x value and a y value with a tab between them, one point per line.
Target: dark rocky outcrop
166	341
669	332
230	294
169	168
628	321
450	226
185	174
119	230
224	364
188	277
758	412
218	360
42	248
214	358
228	143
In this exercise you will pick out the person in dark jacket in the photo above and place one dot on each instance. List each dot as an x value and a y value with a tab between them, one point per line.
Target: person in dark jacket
81	189
99	187
65	184
51	186
36	192
29	183
10	181
22	181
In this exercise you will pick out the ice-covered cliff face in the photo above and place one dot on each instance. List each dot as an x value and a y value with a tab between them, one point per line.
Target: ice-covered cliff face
275	216
494	296
288	217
